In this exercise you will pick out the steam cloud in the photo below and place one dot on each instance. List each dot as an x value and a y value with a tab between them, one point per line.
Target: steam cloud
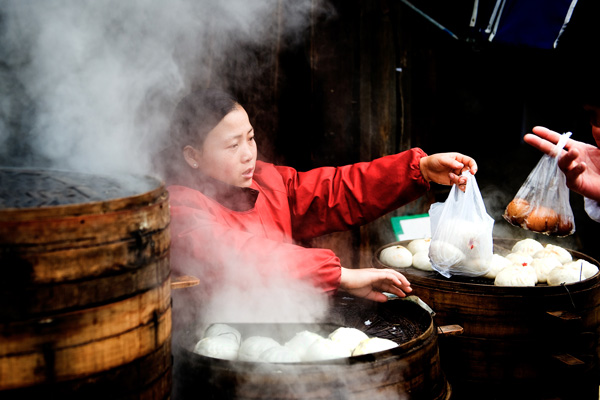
90	85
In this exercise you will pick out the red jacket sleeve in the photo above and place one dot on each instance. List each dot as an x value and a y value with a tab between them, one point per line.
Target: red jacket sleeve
330	199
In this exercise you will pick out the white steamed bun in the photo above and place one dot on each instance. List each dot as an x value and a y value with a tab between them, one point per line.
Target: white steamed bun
497	264
253	346
421	261
326	349
516	275
223	347
419	245
349	337
373	345
554	251
527	246
396	256
543	266
302	341
587	268
562	274
520	258
223	329
445	255
279	354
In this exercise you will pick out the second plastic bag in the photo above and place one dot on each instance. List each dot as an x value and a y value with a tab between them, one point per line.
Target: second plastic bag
542	202
461	232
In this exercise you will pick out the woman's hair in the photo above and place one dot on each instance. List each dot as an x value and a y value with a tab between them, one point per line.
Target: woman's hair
197	114
194	117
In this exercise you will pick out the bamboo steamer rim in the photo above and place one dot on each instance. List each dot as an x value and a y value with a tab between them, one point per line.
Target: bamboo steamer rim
150	189
438	281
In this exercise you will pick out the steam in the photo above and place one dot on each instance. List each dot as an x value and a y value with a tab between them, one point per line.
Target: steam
90	85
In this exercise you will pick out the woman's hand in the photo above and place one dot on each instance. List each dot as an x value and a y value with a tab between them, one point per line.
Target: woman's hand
445	168
579	161
371	282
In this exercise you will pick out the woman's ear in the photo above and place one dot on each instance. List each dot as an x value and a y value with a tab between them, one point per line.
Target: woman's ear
190	155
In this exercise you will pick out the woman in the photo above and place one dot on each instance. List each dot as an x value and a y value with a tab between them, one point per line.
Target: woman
228	208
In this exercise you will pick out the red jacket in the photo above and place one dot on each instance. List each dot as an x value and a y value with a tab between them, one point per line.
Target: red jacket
259	226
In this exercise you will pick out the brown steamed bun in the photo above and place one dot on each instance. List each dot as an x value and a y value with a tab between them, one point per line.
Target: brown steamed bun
542	219
516	211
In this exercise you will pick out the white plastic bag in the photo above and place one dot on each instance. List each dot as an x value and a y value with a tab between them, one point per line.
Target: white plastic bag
542	202
461	232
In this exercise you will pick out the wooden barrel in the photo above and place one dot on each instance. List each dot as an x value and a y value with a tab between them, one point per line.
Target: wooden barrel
518	342
85	301
410	371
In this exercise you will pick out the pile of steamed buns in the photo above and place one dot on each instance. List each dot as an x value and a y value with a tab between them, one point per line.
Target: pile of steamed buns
225	342
528	263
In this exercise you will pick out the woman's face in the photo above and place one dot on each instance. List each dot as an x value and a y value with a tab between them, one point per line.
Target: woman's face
229	150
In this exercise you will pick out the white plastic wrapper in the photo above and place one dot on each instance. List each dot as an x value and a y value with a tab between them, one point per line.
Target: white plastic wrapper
461	242
542	202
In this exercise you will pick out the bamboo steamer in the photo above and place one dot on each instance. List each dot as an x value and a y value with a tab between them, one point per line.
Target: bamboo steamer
410	371
85	301
518	342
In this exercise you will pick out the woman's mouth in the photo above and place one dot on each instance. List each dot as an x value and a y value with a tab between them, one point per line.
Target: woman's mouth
247	174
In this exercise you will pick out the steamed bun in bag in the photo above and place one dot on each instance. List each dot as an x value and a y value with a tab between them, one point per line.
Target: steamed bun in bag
461	240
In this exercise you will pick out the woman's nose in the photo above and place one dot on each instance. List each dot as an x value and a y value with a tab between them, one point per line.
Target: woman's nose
246	153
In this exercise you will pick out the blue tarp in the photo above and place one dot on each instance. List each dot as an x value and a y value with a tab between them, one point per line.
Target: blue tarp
533	23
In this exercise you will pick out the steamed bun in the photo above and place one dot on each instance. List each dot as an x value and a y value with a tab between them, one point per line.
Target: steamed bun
349	337
396	256
326	349
279	354
554	251
562	274
516	275
223	347
373	345
543	266
444	254
419	245
223	329
302	341
527	246
253	346
520	258
587	268
497	264
421	261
